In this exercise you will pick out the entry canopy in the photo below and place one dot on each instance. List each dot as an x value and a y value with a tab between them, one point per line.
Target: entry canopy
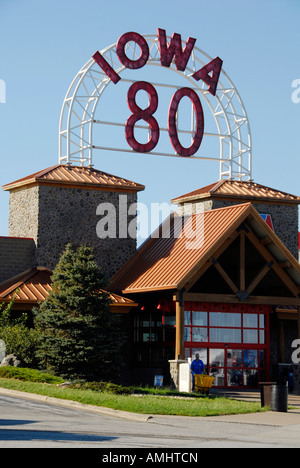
234	252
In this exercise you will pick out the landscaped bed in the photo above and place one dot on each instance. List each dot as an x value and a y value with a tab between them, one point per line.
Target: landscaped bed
131	399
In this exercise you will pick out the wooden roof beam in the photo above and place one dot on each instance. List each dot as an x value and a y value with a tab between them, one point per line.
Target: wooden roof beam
289	283
266	241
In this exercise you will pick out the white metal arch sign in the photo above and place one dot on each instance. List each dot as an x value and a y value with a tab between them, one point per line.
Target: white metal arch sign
217	113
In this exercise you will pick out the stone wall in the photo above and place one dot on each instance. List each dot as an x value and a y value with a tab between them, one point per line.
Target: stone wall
23	213
285	218
54	216
16	256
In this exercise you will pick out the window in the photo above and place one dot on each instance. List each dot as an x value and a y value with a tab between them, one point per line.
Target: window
225	335
234	357
217	366
153	326
223	319
200	319
199	334
250	358
154	335
244	366
250	336
250	320
217	358
224	327
202	355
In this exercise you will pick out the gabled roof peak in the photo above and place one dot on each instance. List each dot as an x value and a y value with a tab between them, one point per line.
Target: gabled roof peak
165	262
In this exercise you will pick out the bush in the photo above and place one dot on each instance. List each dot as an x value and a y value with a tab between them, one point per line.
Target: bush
29	375
107	387
19	338
21	341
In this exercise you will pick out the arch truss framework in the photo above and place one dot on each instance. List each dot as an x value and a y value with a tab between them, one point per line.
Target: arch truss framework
78	114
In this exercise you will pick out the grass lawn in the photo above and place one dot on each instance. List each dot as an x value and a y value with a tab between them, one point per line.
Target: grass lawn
144	404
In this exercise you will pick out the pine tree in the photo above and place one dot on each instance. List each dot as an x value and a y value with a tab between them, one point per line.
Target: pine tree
78	335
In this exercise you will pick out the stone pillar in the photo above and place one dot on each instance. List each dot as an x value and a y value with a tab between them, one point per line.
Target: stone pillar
79	205
174	372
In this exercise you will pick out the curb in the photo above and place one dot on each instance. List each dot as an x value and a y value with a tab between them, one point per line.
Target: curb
76	405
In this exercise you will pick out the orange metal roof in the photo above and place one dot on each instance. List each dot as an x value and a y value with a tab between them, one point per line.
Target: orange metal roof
34	285
163	262
166	263
238	189
77	176
30	286
120	300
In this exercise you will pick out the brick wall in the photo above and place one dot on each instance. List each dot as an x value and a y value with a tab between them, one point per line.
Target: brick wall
16	256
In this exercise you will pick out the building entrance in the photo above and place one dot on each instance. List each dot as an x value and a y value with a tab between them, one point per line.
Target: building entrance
232	341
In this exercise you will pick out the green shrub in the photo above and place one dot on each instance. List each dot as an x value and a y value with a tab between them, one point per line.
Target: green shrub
21	341
19	338
107	387
31	375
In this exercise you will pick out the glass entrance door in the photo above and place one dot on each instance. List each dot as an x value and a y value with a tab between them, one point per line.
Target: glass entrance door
232	343
232	367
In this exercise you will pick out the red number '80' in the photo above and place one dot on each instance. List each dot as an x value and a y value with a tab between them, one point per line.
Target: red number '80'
147	116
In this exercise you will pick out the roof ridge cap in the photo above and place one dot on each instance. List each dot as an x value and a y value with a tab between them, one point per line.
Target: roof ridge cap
45	171
217	185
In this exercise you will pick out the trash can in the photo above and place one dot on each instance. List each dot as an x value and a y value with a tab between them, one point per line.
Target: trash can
279	398
265	393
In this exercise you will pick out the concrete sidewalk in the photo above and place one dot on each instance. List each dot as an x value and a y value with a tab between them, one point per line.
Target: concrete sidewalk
252	395
270	418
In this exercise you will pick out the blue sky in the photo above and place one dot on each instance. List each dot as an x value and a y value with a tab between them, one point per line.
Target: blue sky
44	43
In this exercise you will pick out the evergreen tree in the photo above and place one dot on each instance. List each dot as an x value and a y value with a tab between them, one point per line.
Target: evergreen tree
78	335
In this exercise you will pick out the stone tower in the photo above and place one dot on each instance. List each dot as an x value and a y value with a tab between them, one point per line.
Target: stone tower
61	204
280	207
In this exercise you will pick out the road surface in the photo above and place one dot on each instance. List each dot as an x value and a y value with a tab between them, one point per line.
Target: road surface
26	423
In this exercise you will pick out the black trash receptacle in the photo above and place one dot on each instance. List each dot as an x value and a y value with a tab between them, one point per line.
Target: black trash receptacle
265	393
279	398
